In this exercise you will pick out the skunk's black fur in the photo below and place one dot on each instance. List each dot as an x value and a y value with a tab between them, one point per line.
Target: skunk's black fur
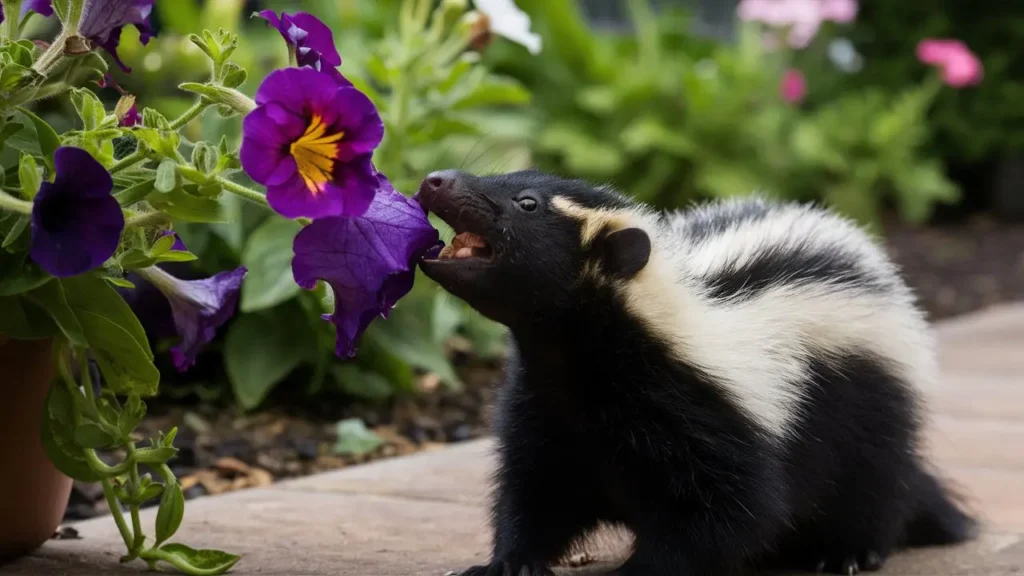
603	420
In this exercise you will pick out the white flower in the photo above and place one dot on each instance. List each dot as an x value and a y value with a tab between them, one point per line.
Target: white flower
508	21
845	57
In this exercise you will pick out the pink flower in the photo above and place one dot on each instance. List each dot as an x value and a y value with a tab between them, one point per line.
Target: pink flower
793	86
839	10
960	67
803	18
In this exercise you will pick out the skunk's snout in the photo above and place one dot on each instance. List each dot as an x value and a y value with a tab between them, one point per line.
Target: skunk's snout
438	189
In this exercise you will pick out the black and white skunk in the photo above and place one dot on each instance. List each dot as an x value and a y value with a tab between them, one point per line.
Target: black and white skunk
735	384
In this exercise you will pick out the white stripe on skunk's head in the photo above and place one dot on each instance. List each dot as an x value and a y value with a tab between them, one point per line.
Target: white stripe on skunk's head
525	240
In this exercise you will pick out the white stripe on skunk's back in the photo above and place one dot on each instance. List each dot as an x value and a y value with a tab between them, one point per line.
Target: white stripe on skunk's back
749	291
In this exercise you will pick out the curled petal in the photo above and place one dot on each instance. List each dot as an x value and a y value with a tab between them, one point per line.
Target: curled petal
369	261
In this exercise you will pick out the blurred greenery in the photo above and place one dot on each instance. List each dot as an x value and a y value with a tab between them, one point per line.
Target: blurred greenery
664	114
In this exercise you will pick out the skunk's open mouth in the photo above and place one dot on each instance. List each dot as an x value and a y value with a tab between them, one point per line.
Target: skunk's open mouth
466	245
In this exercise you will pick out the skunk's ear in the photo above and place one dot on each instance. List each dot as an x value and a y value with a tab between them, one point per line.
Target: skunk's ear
625	253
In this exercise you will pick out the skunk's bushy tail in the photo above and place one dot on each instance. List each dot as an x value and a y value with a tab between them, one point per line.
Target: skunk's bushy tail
939	520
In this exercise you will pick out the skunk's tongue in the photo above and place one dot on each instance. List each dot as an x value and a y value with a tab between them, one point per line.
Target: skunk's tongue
465	245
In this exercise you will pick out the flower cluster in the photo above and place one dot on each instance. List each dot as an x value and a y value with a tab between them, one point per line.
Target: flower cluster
960	67
310	141
801	19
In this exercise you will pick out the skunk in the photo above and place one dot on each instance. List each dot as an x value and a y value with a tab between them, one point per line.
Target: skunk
735	384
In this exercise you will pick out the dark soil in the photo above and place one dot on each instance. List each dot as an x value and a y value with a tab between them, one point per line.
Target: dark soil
955	269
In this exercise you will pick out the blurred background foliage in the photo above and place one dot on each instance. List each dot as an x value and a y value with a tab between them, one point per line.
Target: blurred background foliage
673	102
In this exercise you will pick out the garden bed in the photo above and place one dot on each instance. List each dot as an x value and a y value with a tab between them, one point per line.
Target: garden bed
955	269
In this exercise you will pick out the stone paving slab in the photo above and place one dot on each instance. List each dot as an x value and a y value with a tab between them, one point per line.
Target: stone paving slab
425	514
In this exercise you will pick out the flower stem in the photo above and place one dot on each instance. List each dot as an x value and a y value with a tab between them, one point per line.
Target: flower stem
99	466
12	204
239	190
127	161
12	12
133	474
52	54
198	108
145	218
115	509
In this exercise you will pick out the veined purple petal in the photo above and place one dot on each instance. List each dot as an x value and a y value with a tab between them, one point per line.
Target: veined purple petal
369	261
41	7
76	223
357	117
102	21
198	308
311	39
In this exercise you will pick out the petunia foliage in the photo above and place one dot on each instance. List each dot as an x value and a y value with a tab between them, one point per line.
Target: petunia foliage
96	221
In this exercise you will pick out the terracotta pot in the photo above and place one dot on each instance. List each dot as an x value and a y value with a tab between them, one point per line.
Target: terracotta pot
33	493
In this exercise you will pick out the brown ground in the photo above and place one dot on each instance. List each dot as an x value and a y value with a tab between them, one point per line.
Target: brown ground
955	269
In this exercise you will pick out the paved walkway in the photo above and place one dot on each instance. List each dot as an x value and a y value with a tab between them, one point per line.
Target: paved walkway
424	515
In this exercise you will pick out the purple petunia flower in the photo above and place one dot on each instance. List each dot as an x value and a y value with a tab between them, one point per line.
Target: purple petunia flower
369	261
311	39
102	21
310	142
76	223
198	308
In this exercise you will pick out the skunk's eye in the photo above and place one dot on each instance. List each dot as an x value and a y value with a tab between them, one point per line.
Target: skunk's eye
527	203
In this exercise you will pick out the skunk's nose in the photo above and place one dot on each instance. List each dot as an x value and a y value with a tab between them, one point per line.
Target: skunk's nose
437	186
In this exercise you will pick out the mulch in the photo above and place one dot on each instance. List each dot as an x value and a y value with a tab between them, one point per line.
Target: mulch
955	269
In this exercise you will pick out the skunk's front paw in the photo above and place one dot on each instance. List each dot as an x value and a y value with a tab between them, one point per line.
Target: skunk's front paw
508	568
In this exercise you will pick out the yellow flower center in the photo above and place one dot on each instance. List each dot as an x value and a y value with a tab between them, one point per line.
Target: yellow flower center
315	152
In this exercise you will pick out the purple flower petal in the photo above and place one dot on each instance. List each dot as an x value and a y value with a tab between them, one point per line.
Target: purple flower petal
311	39
76	223
309	142
130	118
41	7
102	21
178	244
369	261
198	308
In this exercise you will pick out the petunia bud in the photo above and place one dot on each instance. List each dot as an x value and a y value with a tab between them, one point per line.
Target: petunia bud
477	26
205	157
124	106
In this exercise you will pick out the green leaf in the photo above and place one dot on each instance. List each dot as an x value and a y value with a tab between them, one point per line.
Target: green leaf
17	231
180	205
166	175
407	334
91	435
186	559
50	297
355	438
494	92
170	513
132	413
361	383
20	320
28	175
127	367
19	274
7	130
159	455
268	256
89	293
58	440
259	351
135	193
150	492
46	136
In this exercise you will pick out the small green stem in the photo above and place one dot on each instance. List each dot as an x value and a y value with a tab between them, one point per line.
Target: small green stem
12	13
101	467
52	54
239	190
190	114
145	218
127	161
154	554
12	204
133	474
115	509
